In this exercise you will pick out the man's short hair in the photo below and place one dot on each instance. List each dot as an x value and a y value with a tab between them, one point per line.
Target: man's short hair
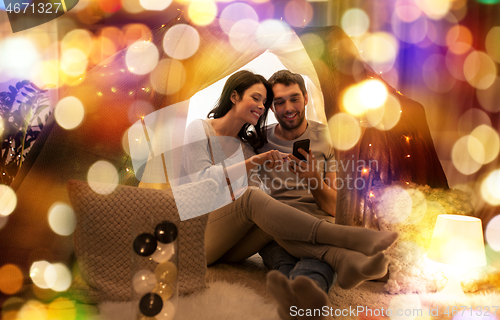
287	78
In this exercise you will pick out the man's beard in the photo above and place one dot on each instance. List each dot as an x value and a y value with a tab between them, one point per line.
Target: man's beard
284	124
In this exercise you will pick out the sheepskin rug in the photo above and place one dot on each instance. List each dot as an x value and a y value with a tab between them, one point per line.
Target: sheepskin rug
220	301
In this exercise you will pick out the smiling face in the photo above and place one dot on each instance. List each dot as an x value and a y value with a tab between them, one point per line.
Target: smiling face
289	106
250	107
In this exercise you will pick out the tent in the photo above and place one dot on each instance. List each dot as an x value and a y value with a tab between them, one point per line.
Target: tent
114	95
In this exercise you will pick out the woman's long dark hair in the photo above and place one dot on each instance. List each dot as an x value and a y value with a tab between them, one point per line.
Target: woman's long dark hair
240	81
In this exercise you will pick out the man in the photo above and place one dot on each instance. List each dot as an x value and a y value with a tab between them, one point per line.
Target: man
308	185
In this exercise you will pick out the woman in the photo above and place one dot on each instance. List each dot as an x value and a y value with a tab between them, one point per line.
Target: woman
241	228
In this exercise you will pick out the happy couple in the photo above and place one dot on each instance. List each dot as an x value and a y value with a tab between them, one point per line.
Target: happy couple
291	226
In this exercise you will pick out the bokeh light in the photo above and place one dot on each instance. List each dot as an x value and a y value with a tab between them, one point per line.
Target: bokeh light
140	108
492	233
399	204
471	119
344	131
110	6
351	101
144	281
373	93
8	200
63	277
102	177
242	34
355	22
137	141
181	41
410	32
141	57
488	2
455	62
46	73
62	219
33	310
18	57
479	70
234	13
298	13
11	279
272	32
114	34
462	160
74	62
133	32
202	12
436	75
391	113
407	10
459	39
102	49
438	30
155	5
69	112
490	142
38	271
168	77
77	39
359	98
379	50
492	44
132	6
489	98
489	188
10	308
434	9
62	309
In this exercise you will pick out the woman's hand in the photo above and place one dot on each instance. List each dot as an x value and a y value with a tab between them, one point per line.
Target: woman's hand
270	158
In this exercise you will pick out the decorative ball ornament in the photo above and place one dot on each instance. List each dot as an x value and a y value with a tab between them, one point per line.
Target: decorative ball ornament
166	232
151	304
145	244
167	312
164	290
144	281
163	252
166	272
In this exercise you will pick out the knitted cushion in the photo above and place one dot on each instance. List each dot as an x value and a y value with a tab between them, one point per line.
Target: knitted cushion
107	226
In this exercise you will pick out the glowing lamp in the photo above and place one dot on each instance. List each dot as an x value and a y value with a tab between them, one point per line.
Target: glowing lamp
458	243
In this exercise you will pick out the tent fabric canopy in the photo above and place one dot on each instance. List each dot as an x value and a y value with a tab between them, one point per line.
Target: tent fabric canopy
110	94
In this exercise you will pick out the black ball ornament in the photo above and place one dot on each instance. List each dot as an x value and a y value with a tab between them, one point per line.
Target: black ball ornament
150	304
145	244
166	232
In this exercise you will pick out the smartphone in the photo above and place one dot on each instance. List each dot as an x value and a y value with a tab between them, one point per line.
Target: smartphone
303	144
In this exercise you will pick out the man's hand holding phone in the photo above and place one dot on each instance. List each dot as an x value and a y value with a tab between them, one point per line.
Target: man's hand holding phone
303	162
